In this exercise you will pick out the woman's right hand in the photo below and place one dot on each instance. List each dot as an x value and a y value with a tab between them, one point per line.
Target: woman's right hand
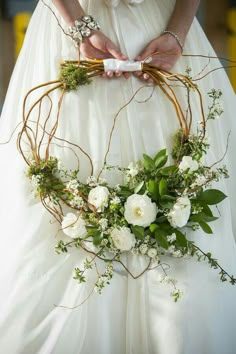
99	46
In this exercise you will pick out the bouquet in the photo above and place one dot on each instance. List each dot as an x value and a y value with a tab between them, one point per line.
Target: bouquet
160	200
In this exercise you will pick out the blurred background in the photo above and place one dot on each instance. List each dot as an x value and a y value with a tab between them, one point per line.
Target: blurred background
218	19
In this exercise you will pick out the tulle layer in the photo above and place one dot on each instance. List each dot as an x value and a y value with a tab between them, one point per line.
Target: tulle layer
131	316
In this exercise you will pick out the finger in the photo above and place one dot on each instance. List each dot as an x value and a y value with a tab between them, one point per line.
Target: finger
118	73
126	75
115	51
147	52
138	73
146	76
110	73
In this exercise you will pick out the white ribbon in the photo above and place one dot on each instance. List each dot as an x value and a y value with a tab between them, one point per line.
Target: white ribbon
121	65
115	3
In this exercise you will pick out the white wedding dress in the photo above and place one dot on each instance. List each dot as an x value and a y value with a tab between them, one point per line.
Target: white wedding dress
130	316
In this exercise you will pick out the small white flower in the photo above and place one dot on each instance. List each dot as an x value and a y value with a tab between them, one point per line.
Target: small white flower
98	197
72	185
92	181
171	249
115	200
140	210
73	226
143	248
179	214
171	238
77	201
103	223
188	163
152	253
35	179
117	188
199	181
177	254
123	239
133	169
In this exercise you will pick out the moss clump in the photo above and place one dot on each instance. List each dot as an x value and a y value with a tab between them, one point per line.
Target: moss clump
181	146
73	77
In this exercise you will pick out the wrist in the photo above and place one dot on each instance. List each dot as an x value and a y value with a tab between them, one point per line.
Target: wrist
83	28
177	38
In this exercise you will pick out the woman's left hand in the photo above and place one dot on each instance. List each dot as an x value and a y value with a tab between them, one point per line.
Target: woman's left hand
168	51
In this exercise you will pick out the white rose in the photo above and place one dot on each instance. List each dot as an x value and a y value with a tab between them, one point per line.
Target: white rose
179	215
123	239
73	226
188	163
98	197
139	210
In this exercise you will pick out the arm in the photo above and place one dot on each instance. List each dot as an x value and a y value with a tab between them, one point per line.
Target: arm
97	45
182	17
69	10
179	23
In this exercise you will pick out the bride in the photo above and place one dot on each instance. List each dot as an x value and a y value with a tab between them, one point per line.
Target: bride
39	297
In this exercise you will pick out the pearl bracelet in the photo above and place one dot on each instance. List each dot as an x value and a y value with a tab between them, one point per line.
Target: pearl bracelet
82	28
177	39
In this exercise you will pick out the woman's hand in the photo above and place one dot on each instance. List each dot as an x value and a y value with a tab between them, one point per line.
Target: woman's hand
99	46
168	51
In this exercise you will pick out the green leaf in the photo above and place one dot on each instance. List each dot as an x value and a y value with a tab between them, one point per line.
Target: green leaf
153	227
138	187
202	217
161	219
97	238
212	196
162	187
148	162
205	227
160	236
166	204
160	154
153	189
180	239
168	198
206	209
169	170
138	231
161	161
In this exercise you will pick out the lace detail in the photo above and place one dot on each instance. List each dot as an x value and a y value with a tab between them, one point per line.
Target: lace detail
114	3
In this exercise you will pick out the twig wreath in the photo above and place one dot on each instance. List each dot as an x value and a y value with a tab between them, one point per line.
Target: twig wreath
157	204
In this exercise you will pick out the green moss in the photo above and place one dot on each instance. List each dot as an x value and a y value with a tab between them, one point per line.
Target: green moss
181	146
73	77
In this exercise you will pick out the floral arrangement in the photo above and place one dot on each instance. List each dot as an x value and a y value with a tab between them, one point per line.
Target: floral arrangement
161	199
